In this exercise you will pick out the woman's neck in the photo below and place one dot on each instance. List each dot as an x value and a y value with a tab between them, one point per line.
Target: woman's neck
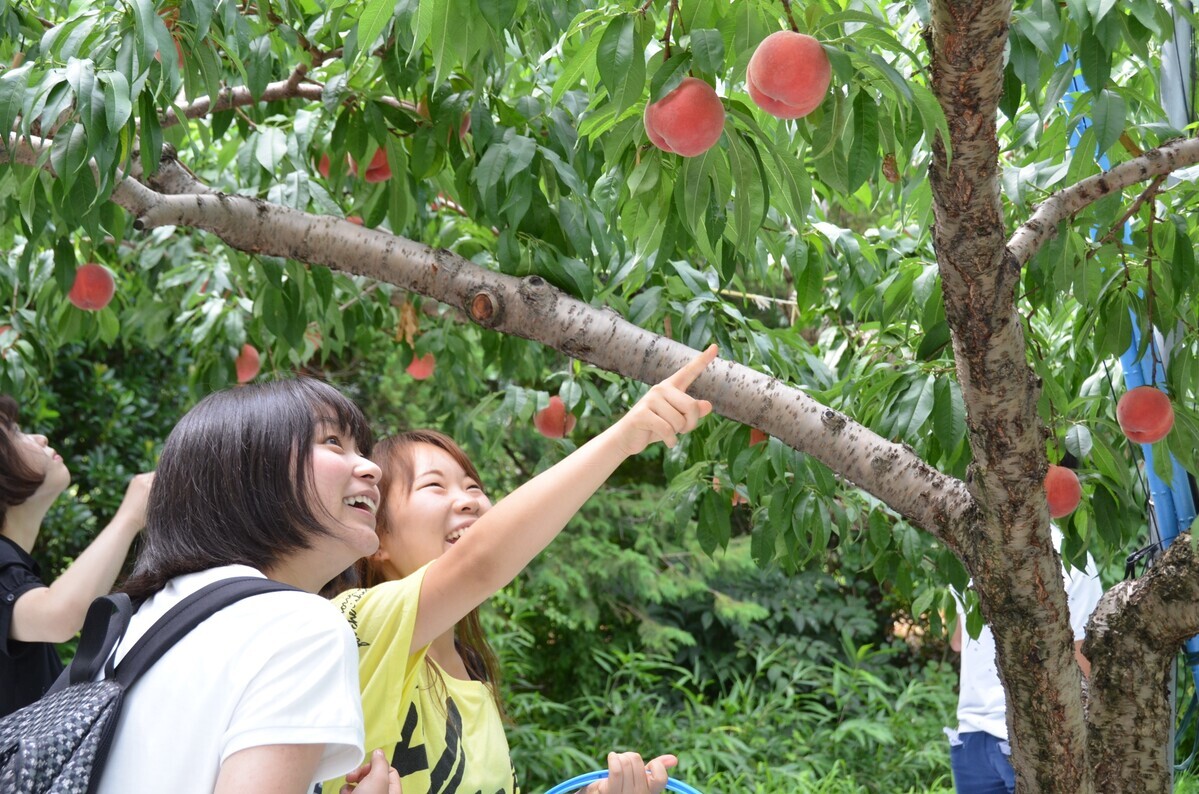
444	652
23	522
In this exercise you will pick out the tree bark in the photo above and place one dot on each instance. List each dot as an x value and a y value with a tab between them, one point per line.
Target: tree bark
1009	552
1132	641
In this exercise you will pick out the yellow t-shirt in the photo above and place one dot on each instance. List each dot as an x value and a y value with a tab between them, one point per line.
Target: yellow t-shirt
443	737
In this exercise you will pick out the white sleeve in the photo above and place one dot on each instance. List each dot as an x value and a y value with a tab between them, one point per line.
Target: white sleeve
1083	591
306	691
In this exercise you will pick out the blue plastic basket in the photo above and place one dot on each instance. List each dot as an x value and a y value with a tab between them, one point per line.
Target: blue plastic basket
576	783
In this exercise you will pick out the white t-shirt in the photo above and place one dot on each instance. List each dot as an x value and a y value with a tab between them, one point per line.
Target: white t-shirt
981	702
276	668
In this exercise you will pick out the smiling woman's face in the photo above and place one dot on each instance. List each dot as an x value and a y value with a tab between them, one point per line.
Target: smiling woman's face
430	513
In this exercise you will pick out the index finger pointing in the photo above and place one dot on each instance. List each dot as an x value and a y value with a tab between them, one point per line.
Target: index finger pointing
686	375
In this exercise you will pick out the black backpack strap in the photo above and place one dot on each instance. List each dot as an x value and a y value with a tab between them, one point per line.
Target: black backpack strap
185	616
105	624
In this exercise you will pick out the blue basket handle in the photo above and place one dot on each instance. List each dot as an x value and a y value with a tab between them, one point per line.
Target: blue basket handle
576	783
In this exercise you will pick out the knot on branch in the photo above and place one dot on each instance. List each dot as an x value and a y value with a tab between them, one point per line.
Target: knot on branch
485	309
832	420
538	293
881	465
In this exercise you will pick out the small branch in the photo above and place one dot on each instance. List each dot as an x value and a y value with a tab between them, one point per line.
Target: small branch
645	7
790	16
1034	233
1146	194
670	14
239	96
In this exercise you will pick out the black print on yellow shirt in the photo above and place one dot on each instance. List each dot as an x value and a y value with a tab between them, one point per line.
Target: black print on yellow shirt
446	775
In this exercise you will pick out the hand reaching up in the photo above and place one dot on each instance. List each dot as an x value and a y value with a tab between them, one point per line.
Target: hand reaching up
666	410
628	774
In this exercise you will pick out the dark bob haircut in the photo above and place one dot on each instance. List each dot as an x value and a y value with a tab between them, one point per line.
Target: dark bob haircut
18	481
233	483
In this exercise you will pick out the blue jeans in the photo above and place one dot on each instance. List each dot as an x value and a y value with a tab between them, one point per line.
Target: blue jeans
980	763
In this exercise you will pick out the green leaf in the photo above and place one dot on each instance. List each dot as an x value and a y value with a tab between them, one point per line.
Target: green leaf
574	69
707	46
498	13
13	85
271	148
1108	115
1098	9
933	117
1079	442
69	153
1095	62
949	414
1182	263
863	153
621	61
372	21
749	197
118	106
914	407
714	528
669	75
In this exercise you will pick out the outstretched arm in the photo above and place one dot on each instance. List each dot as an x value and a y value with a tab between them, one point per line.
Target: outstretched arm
506	538
55	613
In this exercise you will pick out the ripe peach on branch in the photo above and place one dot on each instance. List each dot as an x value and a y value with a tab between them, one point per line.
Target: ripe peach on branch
1062	491
93	287
687	121
248	364
788	74
554	421
422	368
1145	414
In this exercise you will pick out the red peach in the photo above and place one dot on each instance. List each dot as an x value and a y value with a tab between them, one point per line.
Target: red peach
1062	491
687	121
422	368
248	364
554	421
93	288
788	74
378	170
1145	414
756	436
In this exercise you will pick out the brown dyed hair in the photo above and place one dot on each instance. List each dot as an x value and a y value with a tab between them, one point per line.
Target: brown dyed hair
396	456
18	481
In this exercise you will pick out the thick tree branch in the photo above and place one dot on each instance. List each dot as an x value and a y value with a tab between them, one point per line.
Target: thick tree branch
533	309
1038	229
1132	640
1009	552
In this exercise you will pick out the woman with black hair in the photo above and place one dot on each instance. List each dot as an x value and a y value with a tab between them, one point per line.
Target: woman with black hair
33	616
268	480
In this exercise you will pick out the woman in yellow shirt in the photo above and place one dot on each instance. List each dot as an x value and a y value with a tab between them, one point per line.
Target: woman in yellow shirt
426	671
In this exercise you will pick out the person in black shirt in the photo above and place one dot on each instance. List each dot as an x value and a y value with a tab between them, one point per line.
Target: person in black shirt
33	616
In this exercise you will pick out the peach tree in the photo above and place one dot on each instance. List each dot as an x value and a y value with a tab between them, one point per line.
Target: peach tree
920	284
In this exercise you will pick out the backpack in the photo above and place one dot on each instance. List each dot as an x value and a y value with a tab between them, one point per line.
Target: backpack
59	744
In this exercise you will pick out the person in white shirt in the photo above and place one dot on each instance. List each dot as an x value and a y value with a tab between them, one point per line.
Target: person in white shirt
978	748
265	480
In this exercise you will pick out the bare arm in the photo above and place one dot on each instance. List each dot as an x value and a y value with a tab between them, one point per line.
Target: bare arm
1083	663
511	534
270	769
55	613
